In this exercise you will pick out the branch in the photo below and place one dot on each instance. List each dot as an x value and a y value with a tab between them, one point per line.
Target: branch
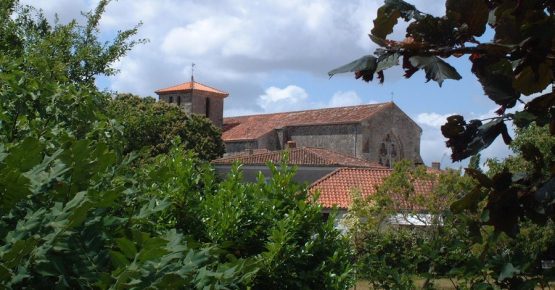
447	51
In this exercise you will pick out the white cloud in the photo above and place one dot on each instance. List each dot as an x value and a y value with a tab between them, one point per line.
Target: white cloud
66	10
205	36
341	99
432	119
238	45
286	99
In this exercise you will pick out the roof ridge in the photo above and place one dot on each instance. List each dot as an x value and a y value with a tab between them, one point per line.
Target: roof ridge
210	87
337	170
191	87
311	110
318	156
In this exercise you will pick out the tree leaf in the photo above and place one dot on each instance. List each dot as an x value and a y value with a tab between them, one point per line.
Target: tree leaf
387	60
127	247
385	21
528	81
468	202
496	76
436	69
378	40
546	193
471	13
25	155
508	271
389	13
485	136
365	63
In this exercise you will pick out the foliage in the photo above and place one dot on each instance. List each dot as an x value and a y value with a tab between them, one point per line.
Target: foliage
76	211
516	66
151	124
67	227
61	52
390	256
390	253
269	221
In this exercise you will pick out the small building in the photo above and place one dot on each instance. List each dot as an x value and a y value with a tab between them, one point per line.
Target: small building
196	98
337	188
311	163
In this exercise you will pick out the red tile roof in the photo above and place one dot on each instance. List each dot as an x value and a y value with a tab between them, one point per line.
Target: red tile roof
337	187
252	127
188	86
304	156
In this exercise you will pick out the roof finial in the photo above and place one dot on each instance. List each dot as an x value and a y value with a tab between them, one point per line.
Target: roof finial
192	72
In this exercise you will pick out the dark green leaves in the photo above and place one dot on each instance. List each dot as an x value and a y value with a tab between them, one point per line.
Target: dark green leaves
388	15
469	139
387	60
529	80
470	15
367	63
436	69
366	66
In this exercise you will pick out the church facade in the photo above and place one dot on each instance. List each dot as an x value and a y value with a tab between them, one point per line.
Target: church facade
380	133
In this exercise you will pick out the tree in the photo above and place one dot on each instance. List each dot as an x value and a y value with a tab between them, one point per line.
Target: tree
429	243
269	222
61	52
151	124
516	67
76	211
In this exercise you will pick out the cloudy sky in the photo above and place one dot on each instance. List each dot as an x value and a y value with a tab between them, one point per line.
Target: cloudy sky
274	55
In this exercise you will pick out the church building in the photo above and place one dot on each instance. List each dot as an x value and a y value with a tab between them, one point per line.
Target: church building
380	133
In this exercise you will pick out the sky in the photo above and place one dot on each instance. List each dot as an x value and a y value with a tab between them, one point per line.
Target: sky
274	55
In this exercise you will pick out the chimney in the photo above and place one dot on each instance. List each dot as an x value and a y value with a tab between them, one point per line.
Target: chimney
436	165
291	144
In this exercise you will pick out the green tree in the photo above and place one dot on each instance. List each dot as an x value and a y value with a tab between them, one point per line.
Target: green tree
270	222
151	124
517	66
76	212
400	232
61	52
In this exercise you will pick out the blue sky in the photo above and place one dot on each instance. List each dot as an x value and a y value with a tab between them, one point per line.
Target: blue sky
274	56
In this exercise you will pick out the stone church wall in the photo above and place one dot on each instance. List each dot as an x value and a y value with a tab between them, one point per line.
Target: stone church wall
240	146
386	137
403	133
339	138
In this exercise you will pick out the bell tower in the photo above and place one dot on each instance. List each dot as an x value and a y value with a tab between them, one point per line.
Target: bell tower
196	98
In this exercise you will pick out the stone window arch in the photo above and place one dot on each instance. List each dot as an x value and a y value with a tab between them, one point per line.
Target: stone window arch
390	150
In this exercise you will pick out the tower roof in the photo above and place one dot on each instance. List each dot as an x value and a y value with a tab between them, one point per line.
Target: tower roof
191	86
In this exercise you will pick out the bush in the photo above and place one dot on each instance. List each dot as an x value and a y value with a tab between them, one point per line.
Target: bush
154	125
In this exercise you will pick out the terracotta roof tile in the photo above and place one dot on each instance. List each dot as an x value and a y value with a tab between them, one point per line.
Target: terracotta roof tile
188	86
305	156
252	127
336	188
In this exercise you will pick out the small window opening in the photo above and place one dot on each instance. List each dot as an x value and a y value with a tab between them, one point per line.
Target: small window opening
207	107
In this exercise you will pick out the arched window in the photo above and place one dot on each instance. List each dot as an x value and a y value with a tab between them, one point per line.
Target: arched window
389	152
